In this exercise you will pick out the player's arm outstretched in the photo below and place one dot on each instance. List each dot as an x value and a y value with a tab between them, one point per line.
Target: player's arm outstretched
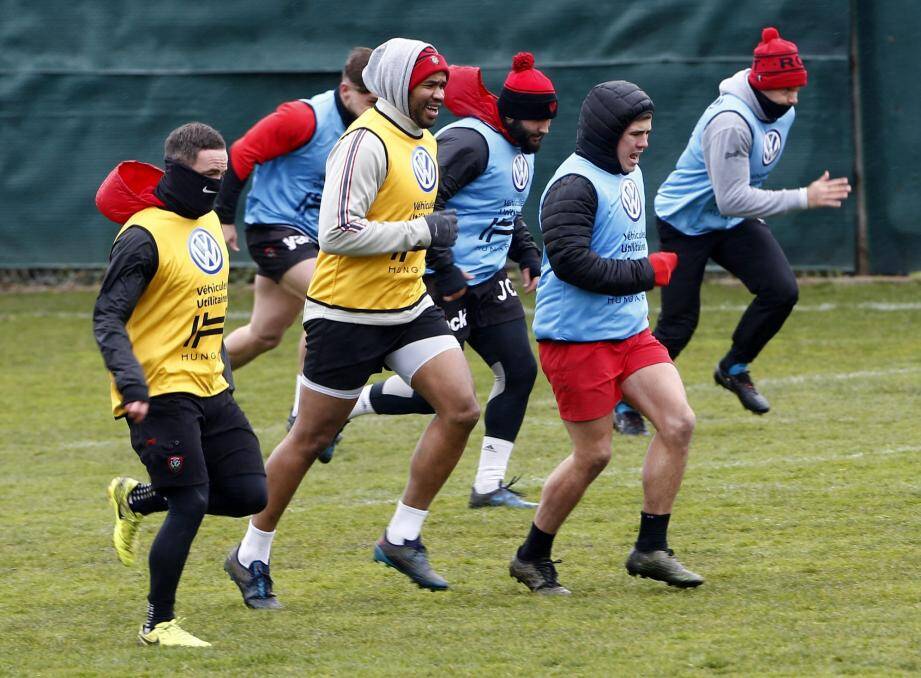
727	144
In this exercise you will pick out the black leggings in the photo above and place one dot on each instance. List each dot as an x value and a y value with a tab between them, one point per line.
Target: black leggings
506	349
235	496
748	251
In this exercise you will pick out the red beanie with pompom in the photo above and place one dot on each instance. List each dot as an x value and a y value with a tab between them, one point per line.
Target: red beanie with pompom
776	64
527	93
429	61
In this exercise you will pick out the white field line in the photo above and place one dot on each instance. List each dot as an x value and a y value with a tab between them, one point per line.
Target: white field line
795	380
623	476
546	402
834	457
880	307
630	476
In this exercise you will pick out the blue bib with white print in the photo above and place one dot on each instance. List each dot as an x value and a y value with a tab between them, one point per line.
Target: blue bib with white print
565	312
686	199
287	189
487	206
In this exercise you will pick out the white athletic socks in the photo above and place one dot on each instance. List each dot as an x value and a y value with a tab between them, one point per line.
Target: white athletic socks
297	395
405	525
494	456
256	545
363	404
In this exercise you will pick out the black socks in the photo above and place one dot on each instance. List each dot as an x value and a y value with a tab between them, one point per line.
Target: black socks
157	614
144	499
537	546
653	532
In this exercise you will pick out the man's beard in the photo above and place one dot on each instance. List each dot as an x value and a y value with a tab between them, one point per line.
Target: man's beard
523	138
418	115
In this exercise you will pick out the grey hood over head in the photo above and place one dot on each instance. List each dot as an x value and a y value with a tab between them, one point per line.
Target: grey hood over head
738	86
390	69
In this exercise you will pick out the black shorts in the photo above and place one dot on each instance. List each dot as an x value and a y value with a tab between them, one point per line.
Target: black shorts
341	356
189	440
277	248
492	302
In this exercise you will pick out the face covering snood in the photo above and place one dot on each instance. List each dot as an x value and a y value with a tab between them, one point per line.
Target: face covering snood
772	110
186	192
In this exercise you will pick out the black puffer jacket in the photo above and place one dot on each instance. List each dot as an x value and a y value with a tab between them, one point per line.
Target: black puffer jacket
568	210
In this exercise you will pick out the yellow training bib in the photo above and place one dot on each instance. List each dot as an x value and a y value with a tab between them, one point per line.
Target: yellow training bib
384	282
178	324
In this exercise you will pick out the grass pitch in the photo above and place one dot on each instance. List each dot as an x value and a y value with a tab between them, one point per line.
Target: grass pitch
805	522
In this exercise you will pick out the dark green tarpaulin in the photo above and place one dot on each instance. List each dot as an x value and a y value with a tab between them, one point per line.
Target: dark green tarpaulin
85	85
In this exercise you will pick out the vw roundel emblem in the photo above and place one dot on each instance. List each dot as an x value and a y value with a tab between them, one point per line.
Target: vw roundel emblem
205	251
631	199
521	173
424	168
771	147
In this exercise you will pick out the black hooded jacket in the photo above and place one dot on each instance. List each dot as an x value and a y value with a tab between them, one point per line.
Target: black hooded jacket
568	210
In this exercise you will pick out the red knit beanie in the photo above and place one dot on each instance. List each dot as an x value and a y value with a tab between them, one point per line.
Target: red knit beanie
527	93
777	64
429	61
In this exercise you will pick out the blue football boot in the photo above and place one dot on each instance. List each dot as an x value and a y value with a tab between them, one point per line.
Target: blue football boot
501	496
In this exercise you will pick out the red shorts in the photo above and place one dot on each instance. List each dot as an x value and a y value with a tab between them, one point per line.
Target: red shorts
586	377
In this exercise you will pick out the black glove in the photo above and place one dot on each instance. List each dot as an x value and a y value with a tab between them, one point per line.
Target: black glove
449	281
443	227
531	263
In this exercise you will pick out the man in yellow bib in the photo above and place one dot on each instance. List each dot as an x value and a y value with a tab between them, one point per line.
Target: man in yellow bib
367	309
159	322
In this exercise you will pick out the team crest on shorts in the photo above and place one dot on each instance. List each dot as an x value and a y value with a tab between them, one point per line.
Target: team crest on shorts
424	168
771	147
520	172
205	251
631	199
174	463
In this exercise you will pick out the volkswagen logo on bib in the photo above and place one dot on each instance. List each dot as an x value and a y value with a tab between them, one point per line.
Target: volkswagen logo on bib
205	251
631	199
424	168
520	172
771	147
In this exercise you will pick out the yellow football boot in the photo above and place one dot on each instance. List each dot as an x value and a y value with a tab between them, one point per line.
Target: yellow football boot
170	634
127	522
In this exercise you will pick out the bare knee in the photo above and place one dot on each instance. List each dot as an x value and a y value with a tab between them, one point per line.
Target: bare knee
266	339
306	445
593	459
464	415
678	428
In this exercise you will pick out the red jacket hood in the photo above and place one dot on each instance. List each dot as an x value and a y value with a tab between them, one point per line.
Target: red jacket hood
466	95
128	189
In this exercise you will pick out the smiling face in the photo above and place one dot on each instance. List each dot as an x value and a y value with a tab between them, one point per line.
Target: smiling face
426	98
633	142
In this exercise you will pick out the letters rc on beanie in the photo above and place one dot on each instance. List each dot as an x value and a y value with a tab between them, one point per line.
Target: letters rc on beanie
776	63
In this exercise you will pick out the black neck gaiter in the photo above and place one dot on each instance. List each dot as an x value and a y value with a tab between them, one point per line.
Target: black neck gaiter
186	192
770	109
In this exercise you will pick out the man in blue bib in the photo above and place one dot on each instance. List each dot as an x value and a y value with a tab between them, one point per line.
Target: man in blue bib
712	206
592	330
486	166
